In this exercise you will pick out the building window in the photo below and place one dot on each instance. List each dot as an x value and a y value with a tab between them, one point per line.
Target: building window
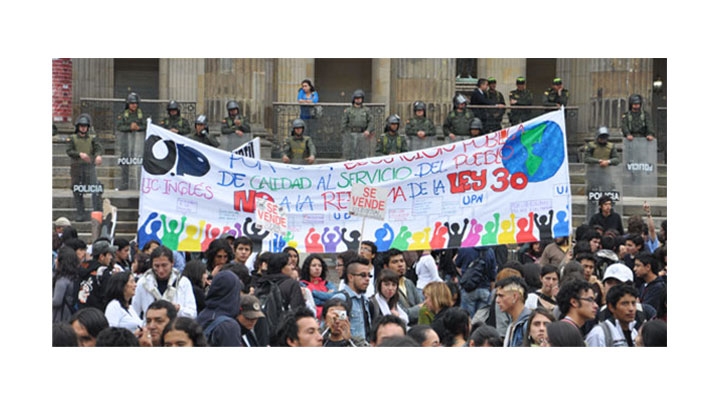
465	68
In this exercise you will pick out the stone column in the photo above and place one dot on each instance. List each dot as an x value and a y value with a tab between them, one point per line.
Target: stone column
290	73
182	80
92	78
431	81
381	68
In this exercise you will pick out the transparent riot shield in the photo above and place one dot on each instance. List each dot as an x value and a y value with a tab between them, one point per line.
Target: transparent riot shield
230	142
601	181
130	149
640	167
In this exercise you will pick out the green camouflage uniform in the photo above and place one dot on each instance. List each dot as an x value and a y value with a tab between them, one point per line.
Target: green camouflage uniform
176	122
391	143
355	121
209	139
637	124
523	98
416	124
494	115
297	149
227	126
594	153
458	124
552	98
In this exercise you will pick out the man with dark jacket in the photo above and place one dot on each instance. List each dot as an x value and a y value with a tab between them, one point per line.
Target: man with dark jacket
279	272
478	297
606	217
222	306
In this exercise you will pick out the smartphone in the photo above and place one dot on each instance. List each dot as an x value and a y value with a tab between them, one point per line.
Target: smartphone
342	315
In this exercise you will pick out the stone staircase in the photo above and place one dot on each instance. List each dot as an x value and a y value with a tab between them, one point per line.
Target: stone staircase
127	201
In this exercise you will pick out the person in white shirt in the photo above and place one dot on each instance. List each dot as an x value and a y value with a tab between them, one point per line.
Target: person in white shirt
119	312
426	270
163	281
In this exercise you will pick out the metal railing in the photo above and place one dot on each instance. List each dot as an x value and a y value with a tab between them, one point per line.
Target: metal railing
105	111
323	122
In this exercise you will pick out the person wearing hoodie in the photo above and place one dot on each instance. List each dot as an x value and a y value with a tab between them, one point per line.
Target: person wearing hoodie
222	306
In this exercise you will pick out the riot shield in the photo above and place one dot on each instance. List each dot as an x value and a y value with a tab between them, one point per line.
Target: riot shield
640	167
601	181
230	142
130	152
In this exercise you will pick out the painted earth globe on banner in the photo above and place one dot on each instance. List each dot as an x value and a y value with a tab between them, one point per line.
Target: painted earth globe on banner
537	151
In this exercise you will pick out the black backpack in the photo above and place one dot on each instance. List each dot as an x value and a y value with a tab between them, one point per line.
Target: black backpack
271	303
476	273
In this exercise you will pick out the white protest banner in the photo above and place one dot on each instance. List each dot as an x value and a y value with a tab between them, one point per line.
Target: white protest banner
368	201
509	186
270	216
249	149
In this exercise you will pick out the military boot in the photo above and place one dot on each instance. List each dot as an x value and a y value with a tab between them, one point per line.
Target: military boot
81	215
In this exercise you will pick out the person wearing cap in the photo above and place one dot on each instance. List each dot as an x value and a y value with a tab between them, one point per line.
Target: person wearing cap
618	330
93	278
637	122
420	130
235	123
520	97
606	217
131	127
494	117
357	128
249	317
299	149
457	123
174	121
391	141
600	151
616	274
85	150
60	224
556	95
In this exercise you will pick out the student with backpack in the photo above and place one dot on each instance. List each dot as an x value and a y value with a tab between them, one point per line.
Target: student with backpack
479	269
277	291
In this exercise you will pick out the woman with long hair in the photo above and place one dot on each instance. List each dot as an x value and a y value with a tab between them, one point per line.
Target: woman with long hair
545	296
64	284
537	323
307	95
183	332
386	299
218	254
438	299
313	276
119	294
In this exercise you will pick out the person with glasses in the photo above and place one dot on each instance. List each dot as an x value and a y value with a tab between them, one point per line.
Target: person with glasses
356	285
576	301
368	250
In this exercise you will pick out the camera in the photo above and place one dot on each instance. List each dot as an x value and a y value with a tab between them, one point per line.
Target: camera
342	315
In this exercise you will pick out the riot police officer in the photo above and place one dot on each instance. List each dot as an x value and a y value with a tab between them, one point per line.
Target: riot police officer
85	153
457	123
420	130
174	121
357	128
299	148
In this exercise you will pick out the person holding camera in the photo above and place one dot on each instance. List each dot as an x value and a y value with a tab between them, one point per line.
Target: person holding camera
202	134
337	325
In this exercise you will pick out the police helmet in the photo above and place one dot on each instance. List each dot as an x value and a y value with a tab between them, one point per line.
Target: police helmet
393	119
602	132
173	105
634	99
82	119
201	119
298	123
232	104
418	105
476	124
358	94
459	99
133	98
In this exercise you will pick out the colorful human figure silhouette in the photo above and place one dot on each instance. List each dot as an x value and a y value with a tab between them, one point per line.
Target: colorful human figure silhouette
211	233
544	225
353	242
455	236
562	227
155	226
420	240
491	231
401	241
237	232
277	243
191	243
312	242
508	227
439	236
171	232
473	237
255	234
384	237
331	239
525	229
